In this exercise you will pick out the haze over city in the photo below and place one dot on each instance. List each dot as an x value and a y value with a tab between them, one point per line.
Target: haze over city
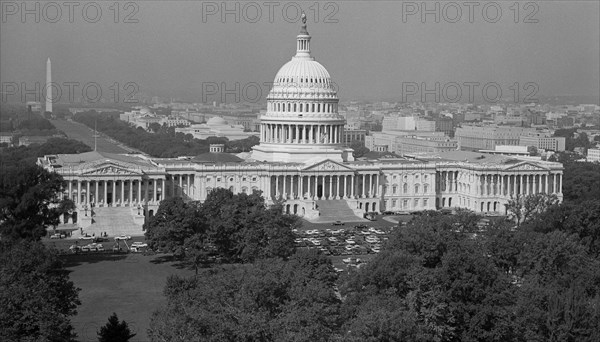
369	50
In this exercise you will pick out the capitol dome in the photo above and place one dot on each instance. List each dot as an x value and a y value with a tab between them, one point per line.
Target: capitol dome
302	120
216	121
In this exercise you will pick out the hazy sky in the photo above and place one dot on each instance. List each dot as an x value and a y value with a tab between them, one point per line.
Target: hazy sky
373	48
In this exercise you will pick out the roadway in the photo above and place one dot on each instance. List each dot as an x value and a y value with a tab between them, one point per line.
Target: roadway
77	131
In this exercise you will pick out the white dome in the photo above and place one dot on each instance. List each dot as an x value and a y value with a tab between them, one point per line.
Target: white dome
215	121
303	72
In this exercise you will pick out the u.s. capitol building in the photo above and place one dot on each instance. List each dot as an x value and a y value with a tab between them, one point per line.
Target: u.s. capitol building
301	160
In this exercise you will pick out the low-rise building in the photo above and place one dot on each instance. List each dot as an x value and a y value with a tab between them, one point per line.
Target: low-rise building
216	127
471	137
593	155
543	140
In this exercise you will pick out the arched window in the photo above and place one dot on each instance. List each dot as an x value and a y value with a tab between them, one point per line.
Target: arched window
405	188
416	188
394	189
425	187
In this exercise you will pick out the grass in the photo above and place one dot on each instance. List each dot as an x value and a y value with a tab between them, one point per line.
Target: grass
129	284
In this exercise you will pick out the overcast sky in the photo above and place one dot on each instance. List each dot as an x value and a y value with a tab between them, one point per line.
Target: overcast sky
370	51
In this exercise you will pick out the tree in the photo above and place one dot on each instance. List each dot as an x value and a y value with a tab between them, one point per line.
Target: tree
359	149
115	331
525	208
270	300
29	202
36	297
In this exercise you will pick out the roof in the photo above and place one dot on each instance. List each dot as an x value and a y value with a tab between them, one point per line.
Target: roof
216	158
73	160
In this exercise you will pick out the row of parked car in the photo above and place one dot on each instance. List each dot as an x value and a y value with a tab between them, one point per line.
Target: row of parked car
98	247
355	241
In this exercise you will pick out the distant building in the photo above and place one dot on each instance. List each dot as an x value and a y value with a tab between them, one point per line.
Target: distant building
6	138
216	127
401	142
593	155
27	140
487	137
543	140
407	123
509	150
445	125
143	118
351	135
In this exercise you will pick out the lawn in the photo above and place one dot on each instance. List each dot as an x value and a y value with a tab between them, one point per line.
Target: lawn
129	284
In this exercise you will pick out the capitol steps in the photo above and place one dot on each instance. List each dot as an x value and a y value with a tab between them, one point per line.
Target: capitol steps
335	210
114	221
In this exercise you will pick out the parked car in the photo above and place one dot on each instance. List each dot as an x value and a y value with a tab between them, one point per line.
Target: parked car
58	236
338	223
139	245
86	237
75	249
123	237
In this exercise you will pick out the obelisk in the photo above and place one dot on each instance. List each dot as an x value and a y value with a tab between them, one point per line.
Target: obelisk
48	86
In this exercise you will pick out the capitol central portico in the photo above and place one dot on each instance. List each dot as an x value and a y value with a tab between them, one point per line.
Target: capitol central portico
302	163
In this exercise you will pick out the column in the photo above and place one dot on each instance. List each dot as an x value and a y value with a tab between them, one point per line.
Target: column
70	189
539	189
521	185
180	185
78	192
122	192
555	181
96	196
297	140
310	134
376	184
105	186
154	198
284	185
277	187
114	192
344	187
164	189
352	186
130	193
87	192
139	191
362	194
547	183
301	186
319	134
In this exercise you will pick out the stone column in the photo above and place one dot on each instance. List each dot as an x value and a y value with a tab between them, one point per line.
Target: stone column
105	186
352	185
96	195
139	192
114	192
130	193
154	197
344	187
180	185
78	192
276	186
122	192
376	184
301	186
87	192
70	189
362	194
284	192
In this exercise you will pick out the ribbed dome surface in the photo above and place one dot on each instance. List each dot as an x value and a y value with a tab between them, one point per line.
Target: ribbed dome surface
303	72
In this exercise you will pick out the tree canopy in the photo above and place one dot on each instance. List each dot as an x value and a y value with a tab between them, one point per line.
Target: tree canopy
36	296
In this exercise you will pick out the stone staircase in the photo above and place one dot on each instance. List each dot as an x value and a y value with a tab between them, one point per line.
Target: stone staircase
335	210
114	221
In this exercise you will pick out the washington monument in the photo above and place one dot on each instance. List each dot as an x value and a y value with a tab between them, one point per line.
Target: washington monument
49	86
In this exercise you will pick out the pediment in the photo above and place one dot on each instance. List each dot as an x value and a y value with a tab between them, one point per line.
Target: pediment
526	166
111	169
327	166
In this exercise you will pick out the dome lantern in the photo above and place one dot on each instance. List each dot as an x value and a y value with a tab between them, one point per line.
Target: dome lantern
303	39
